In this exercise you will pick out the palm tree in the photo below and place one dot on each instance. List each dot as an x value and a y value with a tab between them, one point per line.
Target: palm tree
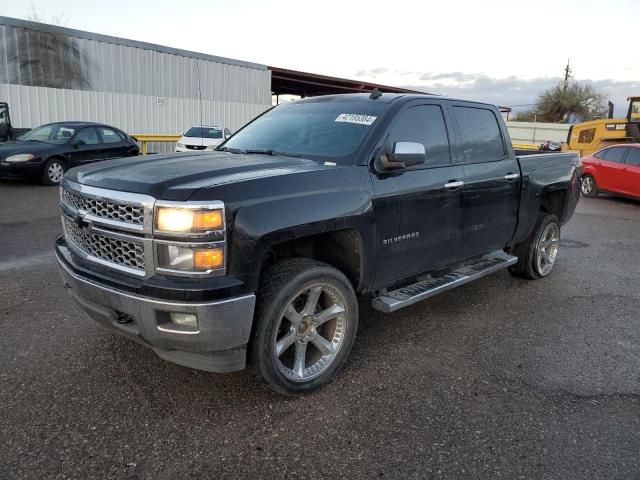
570	100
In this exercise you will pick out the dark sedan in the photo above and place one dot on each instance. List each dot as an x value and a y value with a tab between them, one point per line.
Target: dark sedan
46	152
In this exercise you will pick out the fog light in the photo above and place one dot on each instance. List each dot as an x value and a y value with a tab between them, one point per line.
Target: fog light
184	319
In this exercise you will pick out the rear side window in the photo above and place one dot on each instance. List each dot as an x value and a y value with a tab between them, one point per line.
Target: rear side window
423	124
614	154
480	132
600	154
587	136
110	136
633	157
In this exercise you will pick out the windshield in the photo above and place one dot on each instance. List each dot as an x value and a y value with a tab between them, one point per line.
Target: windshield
204	132
315	130
54	134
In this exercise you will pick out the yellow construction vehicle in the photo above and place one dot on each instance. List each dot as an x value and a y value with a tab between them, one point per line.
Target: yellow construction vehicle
588	137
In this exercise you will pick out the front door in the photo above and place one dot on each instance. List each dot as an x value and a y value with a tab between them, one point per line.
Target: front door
417	210
611	170
491	191
632	174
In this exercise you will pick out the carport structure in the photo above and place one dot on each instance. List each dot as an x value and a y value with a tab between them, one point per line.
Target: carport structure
304	84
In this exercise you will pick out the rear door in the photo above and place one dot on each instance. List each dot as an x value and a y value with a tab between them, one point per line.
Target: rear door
491	191
85	147
113	144
632	173
417	216
611	170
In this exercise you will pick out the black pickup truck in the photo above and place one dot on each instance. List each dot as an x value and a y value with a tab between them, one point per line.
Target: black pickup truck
254	254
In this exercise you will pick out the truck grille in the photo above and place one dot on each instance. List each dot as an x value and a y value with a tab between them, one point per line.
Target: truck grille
104	208
120	252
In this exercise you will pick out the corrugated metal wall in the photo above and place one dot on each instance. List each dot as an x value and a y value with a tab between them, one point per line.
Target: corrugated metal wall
52	75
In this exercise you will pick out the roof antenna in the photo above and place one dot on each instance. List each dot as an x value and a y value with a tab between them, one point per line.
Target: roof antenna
375	93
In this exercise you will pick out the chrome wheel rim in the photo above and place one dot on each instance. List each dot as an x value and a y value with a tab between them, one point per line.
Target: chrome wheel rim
587	185
547	249
55	172
310	332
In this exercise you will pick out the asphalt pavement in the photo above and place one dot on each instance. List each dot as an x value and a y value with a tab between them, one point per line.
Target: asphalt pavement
501	378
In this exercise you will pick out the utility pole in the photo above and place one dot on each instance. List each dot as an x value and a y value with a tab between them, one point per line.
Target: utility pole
567	76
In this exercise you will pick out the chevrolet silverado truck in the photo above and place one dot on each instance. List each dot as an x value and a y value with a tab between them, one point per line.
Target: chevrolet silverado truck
254	254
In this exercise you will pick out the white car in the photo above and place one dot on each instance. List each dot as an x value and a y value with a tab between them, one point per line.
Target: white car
202	137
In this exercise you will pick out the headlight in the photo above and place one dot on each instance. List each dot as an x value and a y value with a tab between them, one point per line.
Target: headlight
190	259
179	145
188	220
22	157
211	147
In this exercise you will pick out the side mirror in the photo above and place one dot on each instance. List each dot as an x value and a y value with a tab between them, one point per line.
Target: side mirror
405	154
227	133
79	143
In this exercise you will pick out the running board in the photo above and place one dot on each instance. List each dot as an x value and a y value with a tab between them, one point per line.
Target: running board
405	296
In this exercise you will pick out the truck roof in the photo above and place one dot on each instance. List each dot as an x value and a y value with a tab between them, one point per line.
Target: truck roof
384	98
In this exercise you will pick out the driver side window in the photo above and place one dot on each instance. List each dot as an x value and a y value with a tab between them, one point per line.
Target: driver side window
424	124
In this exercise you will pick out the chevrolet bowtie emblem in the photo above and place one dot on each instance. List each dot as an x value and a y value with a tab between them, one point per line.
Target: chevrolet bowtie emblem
80	221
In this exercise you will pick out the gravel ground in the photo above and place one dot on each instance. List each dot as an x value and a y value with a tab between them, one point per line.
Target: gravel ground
502	378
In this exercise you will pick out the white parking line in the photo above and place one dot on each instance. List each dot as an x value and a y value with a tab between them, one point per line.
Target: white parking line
26	262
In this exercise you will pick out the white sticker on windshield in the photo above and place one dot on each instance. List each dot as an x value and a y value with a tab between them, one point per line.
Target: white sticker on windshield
355	118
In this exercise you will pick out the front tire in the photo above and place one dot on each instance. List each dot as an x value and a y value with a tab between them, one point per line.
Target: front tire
305	325
537	255
588	186
53	172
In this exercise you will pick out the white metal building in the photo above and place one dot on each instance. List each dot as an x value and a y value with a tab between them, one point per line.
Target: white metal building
50	73
534	132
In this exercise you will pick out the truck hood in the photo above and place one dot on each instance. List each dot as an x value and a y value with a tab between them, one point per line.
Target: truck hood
178	177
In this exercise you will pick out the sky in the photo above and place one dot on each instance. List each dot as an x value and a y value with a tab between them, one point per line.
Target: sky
503	52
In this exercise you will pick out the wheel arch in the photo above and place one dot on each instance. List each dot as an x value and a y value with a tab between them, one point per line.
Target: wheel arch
554	203
341	249
57	156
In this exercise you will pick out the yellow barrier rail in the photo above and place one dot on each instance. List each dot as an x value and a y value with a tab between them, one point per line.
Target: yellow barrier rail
144	139
526	146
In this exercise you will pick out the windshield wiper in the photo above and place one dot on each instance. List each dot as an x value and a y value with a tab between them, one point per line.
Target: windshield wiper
274	153
230	150
270	151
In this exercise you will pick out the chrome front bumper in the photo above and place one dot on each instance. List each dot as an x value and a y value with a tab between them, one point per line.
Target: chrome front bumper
219	344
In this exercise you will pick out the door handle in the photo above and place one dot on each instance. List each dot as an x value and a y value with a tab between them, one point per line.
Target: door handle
453	184
511	176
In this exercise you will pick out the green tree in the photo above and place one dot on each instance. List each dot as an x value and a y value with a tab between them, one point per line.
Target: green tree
524	116
570	100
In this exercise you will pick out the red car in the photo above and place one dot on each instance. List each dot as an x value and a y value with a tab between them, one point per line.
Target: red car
614	169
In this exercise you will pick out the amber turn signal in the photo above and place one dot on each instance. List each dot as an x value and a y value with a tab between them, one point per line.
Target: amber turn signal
208	258
207	220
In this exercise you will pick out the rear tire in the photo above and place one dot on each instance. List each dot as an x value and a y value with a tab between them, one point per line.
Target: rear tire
52	172
588	186
537	255
305	325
